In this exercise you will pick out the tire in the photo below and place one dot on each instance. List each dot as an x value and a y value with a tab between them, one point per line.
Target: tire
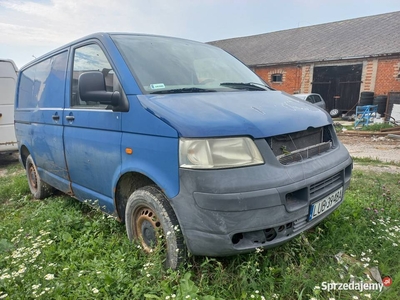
335	113
150	219
39	189
367	94
380	101
366	98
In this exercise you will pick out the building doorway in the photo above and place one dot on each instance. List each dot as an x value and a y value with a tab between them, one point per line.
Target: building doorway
338	85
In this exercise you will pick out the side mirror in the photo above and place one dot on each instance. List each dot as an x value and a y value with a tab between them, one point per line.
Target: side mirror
92	87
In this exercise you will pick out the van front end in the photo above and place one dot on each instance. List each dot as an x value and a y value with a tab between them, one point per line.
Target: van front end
236	210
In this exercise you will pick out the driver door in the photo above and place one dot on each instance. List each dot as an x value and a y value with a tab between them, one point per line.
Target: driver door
92	133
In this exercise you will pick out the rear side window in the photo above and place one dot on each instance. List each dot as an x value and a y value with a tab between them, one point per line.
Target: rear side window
310	99
316	98
91	58
43	84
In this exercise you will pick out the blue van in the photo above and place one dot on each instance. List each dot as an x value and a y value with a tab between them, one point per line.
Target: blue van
178	140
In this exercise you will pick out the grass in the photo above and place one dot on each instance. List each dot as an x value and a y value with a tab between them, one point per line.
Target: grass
373	161
376	126
60	248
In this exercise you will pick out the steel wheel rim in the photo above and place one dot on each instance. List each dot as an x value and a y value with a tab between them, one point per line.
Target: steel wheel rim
33	176
147	227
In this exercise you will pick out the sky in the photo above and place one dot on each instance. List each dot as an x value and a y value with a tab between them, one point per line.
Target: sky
30	28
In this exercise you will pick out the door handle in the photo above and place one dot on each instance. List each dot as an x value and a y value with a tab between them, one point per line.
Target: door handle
70	118
56	117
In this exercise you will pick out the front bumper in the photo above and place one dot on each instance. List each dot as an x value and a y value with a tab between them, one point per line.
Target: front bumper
225	212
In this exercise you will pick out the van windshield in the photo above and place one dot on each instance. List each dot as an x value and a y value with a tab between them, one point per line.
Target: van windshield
171	65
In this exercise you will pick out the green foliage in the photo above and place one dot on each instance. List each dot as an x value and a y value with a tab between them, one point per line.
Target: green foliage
372	161
13	187
60	248
376	126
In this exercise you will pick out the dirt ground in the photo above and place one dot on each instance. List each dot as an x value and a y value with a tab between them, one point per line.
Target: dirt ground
5	160
380	148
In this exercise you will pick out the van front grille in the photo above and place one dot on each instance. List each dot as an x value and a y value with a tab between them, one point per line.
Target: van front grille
298	146
299	155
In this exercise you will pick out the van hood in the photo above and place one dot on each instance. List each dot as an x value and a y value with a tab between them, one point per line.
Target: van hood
258	114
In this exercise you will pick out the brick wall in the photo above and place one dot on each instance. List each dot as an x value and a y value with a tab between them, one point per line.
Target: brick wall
291	77
379	75
387	76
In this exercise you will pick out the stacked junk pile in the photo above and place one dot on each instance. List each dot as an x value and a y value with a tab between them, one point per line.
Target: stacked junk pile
370	109
379	109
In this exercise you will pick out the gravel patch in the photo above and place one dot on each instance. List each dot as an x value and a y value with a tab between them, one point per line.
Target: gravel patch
380	148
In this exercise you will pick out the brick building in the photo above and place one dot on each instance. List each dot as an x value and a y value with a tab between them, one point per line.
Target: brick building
338	60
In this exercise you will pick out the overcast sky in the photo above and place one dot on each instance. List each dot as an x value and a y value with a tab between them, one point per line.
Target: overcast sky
29	29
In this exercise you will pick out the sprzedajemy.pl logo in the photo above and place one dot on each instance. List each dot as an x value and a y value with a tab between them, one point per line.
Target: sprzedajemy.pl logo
356	286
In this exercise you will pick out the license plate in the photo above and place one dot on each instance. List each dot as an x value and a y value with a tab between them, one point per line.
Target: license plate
325	204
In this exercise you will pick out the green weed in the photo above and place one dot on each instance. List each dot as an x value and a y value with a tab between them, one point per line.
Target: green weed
13	184
60	248
376	126
372	161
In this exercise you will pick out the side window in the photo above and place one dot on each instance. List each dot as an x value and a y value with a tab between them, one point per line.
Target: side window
317	98
310	99
86	59
25	99
42	85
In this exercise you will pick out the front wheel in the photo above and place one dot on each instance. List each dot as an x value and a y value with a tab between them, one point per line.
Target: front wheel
39	189
150	219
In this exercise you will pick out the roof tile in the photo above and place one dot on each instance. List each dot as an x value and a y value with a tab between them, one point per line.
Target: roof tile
362	37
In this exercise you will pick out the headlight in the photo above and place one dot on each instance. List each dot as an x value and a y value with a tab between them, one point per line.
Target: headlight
218	153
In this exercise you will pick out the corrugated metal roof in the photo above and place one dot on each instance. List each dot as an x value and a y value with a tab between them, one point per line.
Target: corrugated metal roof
362	37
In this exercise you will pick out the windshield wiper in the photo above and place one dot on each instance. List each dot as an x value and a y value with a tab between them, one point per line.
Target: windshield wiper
183	90
251	86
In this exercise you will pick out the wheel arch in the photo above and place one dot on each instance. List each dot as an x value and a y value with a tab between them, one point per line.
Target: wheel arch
24	153
140	173
126	185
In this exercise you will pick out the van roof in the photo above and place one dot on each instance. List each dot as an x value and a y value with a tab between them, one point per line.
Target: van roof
11	62
102	36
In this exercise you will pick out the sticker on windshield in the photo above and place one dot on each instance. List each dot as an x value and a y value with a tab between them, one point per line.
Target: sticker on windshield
156	86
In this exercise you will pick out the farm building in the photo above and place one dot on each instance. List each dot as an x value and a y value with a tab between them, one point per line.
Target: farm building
338	60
